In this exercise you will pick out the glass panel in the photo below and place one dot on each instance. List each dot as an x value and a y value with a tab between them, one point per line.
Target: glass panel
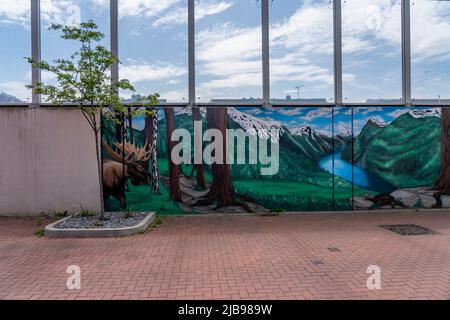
304	143
371	49
430	49
396	156
342	151
69	13
15	35
228	51
301	51
153	48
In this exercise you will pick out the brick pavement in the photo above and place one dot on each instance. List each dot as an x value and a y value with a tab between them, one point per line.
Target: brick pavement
234	257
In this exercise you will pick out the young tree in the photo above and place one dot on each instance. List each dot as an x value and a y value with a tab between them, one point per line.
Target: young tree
443	180
174	174
85	81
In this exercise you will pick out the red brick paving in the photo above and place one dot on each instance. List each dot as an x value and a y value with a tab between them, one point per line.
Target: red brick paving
234	257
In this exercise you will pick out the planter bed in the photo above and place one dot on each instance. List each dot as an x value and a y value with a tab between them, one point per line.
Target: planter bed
114	225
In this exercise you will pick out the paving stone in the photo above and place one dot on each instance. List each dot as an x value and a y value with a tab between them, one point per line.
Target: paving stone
235	257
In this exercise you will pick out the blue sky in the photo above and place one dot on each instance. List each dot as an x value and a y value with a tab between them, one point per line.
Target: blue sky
153	46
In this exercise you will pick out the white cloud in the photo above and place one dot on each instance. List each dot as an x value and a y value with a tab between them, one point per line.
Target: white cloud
15	12
204	9
371	22
60	12
52	11
254	111
142	8
173	81
166	12
16	88
318	113
343	128
174	95
430	31
398	112
229	57
178	14
290	111
142	71
46	76
367	110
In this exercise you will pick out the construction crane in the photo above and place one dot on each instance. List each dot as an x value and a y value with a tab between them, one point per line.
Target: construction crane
298	91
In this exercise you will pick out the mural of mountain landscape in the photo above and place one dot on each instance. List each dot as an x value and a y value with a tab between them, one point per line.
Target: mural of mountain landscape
329	159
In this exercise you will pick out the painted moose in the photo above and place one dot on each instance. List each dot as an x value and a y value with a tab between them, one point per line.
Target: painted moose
128	162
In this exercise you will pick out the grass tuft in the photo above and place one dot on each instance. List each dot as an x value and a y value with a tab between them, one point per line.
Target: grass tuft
86	212
40	233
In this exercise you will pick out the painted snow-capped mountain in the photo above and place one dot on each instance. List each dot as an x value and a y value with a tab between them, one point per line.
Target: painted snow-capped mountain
188	111
302	131
377	123
423	113
418	113
265	129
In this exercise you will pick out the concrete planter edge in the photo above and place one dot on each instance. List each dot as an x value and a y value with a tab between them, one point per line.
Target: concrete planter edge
52	232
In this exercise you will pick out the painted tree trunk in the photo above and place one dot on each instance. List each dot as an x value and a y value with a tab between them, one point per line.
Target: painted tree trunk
148	134
119	130
174	175
130	125
154	156
199	168
222	189
443	180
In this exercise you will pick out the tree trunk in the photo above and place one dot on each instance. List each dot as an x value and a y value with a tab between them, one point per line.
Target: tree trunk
119	129
175	191
130	125
443	180
100	177
222	189
96	131
148	132
154	157
200	168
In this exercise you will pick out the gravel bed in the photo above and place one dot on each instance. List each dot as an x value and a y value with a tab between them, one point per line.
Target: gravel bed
112	220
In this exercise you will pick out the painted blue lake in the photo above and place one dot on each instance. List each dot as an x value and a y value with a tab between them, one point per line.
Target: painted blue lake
354	174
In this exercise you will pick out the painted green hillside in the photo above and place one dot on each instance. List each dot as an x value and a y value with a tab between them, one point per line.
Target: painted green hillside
370	130
406	153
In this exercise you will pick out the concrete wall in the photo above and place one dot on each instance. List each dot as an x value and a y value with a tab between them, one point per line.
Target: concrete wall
47	161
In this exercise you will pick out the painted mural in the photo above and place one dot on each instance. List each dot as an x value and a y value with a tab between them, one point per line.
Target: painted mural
303	159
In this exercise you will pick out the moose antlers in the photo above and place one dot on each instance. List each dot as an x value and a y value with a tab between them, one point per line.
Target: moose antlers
128	152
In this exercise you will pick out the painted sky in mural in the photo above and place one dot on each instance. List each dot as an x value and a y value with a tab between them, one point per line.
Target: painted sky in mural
319	119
